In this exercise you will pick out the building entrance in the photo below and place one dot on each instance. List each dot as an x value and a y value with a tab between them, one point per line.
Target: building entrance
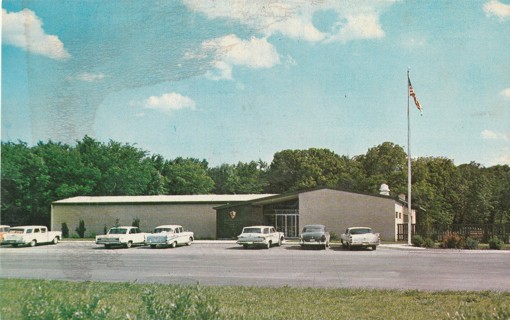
284	220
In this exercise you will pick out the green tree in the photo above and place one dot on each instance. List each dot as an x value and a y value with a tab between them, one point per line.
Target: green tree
124	169
242	178
474	194
293	170
25	186
385	163
187	176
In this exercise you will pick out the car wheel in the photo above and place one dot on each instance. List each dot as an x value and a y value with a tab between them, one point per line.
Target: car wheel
374	247
174	244
153	246
268	245
32	243
55	240
14	245
107	246
280	241
344	244
129	244
190	241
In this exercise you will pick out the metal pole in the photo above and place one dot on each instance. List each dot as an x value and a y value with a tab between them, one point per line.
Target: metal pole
409	222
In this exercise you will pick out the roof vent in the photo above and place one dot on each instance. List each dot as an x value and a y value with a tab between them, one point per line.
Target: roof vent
384	190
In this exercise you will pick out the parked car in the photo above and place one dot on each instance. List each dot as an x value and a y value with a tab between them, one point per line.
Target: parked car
260	236
122	236
169	235
31	235
360	237
314	235
3	230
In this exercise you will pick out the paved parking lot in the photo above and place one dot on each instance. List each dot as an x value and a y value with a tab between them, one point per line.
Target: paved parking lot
224	263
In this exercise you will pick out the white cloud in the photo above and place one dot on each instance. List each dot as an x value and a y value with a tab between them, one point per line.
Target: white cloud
90	77
356	19
497	9
491	135
23	29
231	51
505	93
362	26
169	102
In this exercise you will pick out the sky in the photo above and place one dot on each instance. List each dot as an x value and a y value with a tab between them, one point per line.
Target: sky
239	80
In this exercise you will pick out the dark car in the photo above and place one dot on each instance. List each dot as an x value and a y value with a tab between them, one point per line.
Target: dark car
314	235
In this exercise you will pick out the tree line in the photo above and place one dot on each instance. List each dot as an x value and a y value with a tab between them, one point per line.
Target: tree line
32	177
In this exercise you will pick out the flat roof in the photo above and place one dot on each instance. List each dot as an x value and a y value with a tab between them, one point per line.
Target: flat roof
199	198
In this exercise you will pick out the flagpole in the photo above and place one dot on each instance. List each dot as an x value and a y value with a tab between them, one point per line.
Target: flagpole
409	216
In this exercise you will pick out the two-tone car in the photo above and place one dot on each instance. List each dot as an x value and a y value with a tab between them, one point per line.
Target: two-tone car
361	237
125	236
169	236
314	235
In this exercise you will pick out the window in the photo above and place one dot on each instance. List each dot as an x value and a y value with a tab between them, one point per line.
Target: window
43	230
36	230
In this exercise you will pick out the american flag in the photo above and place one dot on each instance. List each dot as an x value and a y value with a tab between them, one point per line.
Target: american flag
412	94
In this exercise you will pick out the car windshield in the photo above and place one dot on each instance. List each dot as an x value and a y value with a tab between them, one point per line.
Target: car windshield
252	230
312	229
159	230
16	231
118	231
360	231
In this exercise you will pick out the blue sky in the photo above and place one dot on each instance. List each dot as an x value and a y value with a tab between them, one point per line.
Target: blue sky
239	80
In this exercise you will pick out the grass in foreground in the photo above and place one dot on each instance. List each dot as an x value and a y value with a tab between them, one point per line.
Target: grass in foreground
39	299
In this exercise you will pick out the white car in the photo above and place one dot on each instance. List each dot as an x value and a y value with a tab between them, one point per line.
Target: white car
360	237
169	235
31	235
260	236
122	236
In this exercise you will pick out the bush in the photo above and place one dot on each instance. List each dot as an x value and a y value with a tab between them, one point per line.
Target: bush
496	244
417	241
471	244
80	230
453	240
429	243
65	230
136	222
333	236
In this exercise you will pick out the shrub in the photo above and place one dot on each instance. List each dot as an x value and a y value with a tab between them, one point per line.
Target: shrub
333	236
65	230
186	303
105	229
453	240
471	243
136	222
417	241
429	243
495	243
80	230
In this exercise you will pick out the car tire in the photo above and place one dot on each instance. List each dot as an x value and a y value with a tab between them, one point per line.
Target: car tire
129	244
55	240
190	241
174	244
153	246
268	245
14	245
107	246
32	243
374	248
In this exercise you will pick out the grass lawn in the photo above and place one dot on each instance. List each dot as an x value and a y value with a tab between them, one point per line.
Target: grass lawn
40	299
